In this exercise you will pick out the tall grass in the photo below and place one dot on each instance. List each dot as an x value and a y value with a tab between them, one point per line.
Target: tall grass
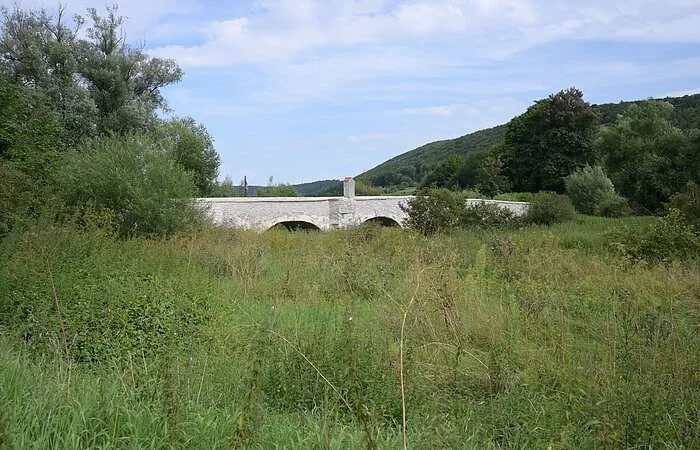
533	338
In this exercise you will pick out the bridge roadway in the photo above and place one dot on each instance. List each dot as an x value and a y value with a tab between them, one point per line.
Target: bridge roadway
322	213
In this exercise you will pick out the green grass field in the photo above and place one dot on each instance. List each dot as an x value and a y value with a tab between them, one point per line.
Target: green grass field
542	337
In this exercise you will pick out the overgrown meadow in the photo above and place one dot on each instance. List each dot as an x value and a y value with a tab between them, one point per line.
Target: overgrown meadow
540	337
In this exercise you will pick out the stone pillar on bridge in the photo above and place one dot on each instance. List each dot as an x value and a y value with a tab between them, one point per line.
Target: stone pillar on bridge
348	187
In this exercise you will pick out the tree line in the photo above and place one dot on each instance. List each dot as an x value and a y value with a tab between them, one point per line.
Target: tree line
646	157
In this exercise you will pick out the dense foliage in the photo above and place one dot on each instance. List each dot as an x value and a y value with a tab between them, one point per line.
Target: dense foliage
613	205
440	210
134	181
80	130
549	141
317	188
647	158
434	210
687	201
668	239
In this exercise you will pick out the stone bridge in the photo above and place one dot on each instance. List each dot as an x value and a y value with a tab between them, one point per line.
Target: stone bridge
315	213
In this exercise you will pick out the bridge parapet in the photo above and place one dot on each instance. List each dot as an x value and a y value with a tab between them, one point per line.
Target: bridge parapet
323	213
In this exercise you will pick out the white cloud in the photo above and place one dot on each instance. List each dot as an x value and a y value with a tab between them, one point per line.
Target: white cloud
455	109
284	29
371	137
484	113
145	20
680	93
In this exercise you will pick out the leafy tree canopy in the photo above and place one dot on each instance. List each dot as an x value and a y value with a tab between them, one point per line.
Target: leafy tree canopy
95	81
647	158
550	140
443	175
193	148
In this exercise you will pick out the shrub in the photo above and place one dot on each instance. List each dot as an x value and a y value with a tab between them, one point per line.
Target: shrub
280	190
670	238
547	208
433	210
438	210
688	203
515	197
587	187
133	177
486	215
613	206
472	194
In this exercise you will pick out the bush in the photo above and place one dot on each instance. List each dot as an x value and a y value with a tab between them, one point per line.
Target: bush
472	194
515	197
280	190
547	208
438	210
688	203
613	206
486	215
587	187
433	210
134	178
670	238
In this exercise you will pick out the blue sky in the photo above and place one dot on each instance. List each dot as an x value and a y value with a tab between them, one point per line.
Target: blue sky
303	90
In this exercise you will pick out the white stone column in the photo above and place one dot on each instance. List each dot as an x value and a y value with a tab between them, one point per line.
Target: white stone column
348	187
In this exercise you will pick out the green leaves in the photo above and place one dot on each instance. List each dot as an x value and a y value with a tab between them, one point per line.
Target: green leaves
647	158
587	187
96	84
192	147
550	140
137	179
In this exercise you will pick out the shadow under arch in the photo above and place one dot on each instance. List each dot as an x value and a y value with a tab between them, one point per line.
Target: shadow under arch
295	225
383	221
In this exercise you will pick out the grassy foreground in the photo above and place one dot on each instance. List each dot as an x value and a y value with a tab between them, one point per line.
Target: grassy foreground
535	338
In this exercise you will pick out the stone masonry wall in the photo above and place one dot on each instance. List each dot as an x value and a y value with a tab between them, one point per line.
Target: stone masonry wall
326	213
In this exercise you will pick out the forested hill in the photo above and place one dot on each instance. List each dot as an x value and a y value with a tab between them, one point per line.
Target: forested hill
409	168
316	187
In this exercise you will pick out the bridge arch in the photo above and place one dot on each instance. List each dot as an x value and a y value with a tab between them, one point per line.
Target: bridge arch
295	225
383	221
294	222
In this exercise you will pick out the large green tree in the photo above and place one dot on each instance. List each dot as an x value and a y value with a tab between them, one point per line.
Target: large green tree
122	80
549	141
646	157
39	52
443	175
95	81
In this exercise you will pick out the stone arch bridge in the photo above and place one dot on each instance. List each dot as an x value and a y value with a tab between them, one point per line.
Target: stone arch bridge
315	213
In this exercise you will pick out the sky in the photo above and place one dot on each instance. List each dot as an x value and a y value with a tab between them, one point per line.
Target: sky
305	90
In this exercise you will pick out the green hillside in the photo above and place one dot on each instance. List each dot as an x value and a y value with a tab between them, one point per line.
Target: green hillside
315	188
409	168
